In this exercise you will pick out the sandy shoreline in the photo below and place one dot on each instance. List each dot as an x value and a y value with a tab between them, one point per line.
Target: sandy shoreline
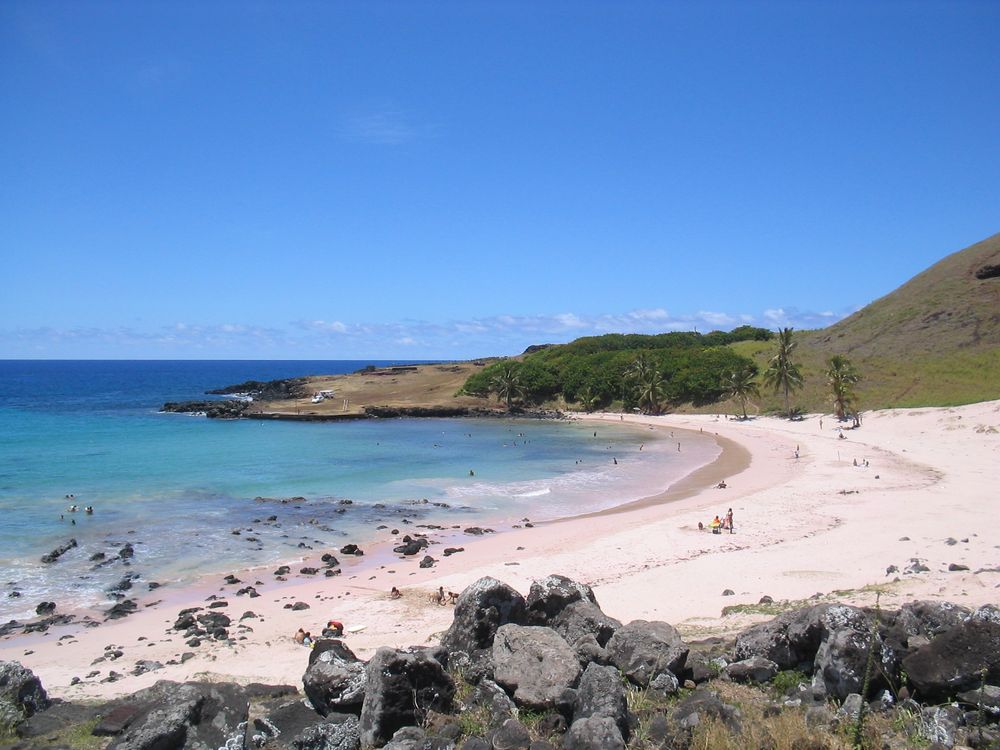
806	526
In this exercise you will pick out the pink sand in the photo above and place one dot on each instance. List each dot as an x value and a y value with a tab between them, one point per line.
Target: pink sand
930	478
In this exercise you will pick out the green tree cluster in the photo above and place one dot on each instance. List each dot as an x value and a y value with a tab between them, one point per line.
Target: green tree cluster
637	371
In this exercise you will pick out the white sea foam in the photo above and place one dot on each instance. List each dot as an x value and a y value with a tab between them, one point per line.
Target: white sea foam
535	493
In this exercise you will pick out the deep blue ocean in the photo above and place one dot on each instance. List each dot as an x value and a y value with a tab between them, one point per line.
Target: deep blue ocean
177	487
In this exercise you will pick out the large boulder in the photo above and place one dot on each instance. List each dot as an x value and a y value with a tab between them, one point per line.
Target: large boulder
335	678
768	640
842	659
643	649
956	660
481	608
552	594
831	640
511	735
21	693
583	618
702	704
535	664
756	669
594	733
601	694
341	733
792	639
929	618
987	612
494	700
276	722
400	687
191	715
164	727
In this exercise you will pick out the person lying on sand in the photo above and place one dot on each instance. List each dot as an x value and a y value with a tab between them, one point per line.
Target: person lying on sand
333	629
721	485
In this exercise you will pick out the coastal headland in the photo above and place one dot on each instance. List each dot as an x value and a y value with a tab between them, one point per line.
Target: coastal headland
427	390
901	507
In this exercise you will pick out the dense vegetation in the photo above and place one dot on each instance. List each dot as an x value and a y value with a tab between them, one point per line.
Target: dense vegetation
636	371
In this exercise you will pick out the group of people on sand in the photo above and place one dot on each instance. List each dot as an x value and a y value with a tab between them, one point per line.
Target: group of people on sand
719	524
333	629
442	597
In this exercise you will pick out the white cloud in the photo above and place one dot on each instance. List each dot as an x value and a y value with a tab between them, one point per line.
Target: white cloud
716	318
776	316
499	334
333	326
385	126
655	314
569	320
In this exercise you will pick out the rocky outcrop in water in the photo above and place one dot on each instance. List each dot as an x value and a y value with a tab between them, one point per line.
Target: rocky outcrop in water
62	549
222	409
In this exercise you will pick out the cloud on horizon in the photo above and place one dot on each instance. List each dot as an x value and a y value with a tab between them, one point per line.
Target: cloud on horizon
412	339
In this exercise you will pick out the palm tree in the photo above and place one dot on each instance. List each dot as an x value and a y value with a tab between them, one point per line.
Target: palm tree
640	368
507	383
651	390
782	373
841	377
741	385
588	398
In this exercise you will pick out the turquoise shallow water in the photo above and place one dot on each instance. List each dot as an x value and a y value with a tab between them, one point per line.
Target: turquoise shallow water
178	486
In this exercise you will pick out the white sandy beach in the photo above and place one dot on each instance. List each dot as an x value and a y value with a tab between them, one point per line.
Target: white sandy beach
807	526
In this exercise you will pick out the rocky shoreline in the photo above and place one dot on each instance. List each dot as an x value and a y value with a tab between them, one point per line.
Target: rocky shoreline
553	670
251	393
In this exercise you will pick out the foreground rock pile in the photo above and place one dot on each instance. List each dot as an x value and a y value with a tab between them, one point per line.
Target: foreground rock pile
552	670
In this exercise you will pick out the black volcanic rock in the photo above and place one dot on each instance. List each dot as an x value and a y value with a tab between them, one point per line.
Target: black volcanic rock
59	551
266	390
221	409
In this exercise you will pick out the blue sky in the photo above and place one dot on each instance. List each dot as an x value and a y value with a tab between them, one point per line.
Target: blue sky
422	180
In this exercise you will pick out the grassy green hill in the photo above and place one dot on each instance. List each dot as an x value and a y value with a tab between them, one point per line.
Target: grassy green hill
934	341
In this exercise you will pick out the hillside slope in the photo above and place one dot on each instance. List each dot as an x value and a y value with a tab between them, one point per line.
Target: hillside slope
934	341
943	309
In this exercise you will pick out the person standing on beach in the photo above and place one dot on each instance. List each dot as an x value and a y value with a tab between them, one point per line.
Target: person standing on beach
729	520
